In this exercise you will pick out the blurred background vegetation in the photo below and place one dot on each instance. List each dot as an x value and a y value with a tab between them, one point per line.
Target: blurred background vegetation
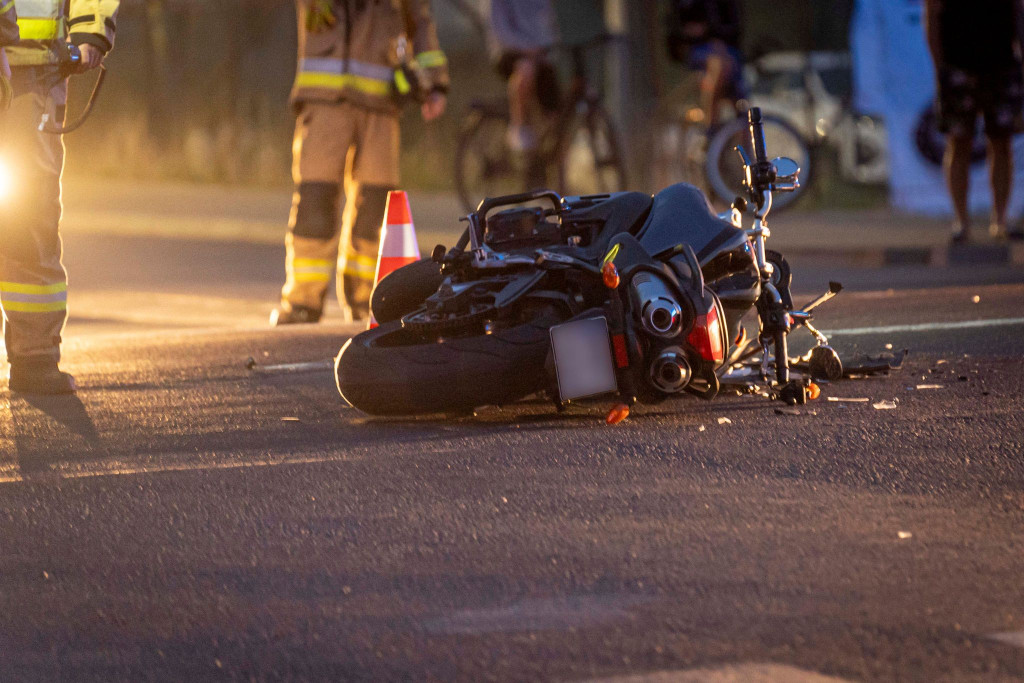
198	90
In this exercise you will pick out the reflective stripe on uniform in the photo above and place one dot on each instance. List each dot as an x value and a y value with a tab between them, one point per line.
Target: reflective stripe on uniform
312	269
24	298
377	72
360	266
6	6
39	29
339	74
431	59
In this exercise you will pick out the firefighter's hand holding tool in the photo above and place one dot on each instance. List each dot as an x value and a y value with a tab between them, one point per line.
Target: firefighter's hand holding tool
92	58
77	59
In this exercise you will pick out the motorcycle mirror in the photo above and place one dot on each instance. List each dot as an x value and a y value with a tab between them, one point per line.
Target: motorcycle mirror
786	170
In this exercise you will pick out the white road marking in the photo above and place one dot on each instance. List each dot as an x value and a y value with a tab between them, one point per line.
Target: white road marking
119	469
925	327
296	367
1015	638
753	672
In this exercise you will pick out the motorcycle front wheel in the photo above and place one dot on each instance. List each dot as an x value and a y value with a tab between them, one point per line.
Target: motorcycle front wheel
390	371
724	168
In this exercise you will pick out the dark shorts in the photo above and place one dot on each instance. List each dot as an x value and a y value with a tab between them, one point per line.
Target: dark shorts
997	96
548	89
735	86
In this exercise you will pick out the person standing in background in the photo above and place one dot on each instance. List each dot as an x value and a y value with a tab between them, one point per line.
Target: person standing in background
523	30
705	34
979	65
358	61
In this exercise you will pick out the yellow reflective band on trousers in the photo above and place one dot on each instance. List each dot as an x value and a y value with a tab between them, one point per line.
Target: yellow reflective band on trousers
38	29
6	6
431	59
18	297
362	267
329	81
313	270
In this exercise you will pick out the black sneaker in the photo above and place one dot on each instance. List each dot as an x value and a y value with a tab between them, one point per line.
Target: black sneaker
40	377
296	315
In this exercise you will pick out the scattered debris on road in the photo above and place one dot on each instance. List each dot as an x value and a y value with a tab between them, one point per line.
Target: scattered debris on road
843	399
290	419
724	421
787	411
904	535
884	405
250	363
921	387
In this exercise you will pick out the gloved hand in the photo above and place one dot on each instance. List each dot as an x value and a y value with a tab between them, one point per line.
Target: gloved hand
321	16
6	92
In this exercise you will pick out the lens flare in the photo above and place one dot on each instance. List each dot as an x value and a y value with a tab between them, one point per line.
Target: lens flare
6	180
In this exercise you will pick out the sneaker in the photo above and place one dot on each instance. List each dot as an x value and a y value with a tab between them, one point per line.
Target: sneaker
521	139
41	377
294	315
959	236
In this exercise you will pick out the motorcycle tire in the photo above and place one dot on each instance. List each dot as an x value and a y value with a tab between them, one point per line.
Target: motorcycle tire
405	290
389	371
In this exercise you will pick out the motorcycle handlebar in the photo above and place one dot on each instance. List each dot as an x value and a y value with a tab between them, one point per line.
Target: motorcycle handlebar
757	135
494	202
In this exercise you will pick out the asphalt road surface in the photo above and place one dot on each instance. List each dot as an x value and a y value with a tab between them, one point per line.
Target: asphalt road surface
188	518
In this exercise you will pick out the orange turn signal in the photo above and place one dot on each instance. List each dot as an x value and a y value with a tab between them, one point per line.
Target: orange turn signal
617	414
610	275
813	391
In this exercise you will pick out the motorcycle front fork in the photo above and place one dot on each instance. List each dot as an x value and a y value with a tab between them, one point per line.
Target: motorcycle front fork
774	332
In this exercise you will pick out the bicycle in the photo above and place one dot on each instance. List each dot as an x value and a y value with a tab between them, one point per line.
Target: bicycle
578	150
807	108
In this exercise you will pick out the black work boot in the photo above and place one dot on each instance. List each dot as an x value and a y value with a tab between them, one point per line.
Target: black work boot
295	315
40	376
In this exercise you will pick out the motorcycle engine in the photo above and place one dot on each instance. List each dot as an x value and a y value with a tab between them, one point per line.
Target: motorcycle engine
520	227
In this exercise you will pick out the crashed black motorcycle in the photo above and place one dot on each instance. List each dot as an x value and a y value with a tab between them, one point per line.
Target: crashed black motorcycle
583	297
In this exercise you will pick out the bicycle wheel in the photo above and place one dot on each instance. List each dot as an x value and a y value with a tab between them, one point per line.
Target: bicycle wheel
724	168
590	158
484	166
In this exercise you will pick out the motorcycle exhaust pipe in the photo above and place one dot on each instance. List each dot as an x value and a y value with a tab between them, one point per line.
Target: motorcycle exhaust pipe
660	313
670	371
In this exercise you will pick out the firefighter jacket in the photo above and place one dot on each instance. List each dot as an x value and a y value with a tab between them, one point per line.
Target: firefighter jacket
45	24
357	53
8	23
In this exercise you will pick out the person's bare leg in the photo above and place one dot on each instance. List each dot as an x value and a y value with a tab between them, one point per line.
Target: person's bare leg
958	166
1000	167
711	87
522	96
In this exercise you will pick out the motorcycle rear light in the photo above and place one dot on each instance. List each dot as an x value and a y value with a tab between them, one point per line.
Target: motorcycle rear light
621	354
706	336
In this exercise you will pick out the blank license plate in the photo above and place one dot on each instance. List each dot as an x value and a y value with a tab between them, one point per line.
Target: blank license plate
583	358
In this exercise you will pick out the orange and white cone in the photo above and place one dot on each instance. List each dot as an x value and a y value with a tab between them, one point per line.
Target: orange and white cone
398	245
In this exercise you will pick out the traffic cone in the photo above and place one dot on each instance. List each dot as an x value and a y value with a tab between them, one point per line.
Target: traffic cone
398	245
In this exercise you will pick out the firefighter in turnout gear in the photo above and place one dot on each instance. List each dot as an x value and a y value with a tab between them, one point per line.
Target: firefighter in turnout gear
359	60
33	284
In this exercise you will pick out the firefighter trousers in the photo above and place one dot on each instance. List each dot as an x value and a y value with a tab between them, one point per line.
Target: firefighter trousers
33	283
338	148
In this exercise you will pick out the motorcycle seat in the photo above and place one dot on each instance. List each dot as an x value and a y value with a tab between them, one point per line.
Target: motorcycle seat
681	213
